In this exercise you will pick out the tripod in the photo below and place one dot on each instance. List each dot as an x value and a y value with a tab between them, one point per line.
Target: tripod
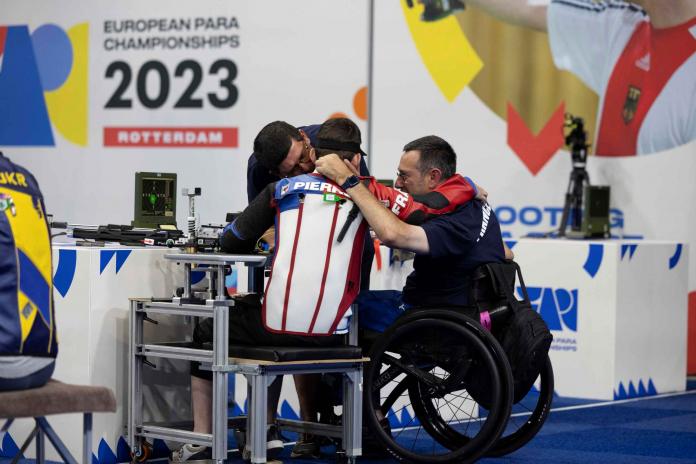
577	141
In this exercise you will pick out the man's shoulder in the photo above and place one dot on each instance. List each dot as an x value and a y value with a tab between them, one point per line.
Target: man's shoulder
468	214
312	130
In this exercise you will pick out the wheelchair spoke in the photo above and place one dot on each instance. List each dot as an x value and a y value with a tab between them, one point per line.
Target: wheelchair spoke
416	439
470	415
399	390
421	379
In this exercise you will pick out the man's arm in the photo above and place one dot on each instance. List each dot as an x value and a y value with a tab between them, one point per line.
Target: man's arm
518	12
389	229
241	235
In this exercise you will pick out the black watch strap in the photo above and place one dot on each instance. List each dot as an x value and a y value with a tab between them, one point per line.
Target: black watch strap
350	182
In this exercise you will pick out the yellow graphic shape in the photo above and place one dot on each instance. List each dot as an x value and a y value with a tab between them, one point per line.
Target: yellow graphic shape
26	321
446	52
67	105
520	72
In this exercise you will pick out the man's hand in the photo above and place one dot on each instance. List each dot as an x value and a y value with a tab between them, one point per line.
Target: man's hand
482	193
267	239
335	168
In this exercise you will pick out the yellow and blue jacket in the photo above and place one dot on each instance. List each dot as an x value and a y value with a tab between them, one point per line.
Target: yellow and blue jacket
27	322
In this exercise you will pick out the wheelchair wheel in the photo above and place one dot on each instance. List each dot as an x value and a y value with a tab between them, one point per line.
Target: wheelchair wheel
477	387
528	415
418	378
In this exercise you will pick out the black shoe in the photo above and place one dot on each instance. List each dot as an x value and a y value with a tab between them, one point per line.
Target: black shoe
307	447
274	445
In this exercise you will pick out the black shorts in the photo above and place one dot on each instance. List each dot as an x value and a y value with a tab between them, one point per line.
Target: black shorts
246	328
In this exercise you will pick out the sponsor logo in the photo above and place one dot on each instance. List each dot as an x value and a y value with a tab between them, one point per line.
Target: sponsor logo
7	203
631	103
644	62
43	84
318	186
557	306
559	309
484	223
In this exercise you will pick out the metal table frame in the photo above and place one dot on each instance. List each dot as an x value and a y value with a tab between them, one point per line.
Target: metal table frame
259	374
217	357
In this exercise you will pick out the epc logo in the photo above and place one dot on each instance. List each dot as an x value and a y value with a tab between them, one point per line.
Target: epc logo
558	307
43	81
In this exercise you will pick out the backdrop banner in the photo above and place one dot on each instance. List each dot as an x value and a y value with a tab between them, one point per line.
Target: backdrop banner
93	91
476	82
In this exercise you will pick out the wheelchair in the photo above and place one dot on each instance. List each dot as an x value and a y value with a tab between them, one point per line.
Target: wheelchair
439	387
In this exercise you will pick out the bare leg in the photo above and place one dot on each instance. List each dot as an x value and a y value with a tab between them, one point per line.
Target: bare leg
202	403
307	386
274	398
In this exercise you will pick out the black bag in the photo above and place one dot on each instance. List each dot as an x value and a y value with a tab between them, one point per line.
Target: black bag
525	337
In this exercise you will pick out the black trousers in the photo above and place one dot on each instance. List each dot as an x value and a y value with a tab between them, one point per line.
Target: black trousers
246	328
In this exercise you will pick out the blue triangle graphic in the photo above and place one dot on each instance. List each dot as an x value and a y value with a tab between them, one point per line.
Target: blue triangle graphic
236	410
122	450
622	391
9	447
633	249
104	259
651	387
393	420
286	411
121	257
159	449
106	455
641	388
632	390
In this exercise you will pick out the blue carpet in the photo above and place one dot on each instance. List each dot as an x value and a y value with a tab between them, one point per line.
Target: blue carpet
651	430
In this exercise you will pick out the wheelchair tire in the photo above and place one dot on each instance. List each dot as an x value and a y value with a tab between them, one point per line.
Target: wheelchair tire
427	359
431	421
517	433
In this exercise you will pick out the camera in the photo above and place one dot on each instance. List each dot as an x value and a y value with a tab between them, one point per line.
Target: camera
576	138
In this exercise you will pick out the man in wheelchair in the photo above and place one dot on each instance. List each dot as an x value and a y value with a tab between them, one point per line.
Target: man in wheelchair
435	358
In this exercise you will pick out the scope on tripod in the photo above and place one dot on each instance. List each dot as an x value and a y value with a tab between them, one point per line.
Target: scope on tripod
593	220
576	138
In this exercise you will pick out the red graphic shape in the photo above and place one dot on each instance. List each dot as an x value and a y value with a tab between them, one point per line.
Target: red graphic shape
691	339
184	137
535	150
3	36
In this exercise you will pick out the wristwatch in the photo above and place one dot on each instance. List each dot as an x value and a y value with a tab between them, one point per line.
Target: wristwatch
350	182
